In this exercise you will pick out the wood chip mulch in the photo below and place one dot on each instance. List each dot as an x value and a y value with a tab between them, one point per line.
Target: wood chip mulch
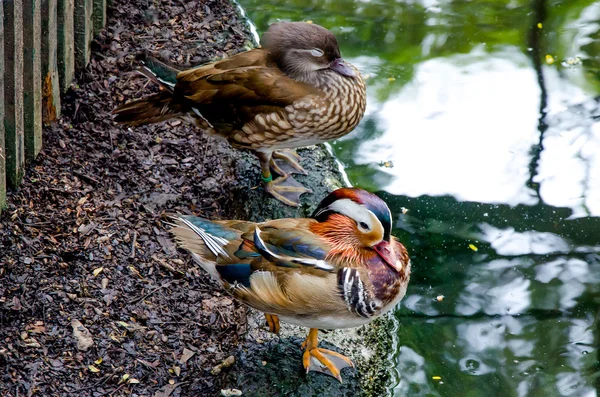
94	298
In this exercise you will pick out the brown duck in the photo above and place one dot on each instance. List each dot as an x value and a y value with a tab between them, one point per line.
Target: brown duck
294	91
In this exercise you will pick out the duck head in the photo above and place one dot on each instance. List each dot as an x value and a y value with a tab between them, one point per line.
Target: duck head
363	220
301	49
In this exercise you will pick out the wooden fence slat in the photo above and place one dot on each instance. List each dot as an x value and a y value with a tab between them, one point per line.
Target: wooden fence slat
50	81
41	42
13	91
99	15
83	32
2	146
66	43
32	77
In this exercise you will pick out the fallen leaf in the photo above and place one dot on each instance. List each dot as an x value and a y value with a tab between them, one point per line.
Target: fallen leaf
135	272
82	335
231	392
228	362
36	327
187	354
86	229
154	364
166	390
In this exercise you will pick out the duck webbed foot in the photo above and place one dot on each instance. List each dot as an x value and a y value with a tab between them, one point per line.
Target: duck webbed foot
286	162
323	360
285	188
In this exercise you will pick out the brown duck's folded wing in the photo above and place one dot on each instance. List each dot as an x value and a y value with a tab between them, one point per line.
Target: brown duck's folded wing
256	57
242	93
246	87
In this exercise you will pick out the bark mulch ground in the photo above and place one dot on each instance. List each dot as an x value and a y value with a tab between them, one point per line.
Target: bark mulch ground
84	252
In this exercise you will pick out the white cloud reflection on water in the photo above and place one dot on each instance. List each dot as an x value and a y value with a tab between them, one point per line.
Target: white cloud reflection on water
508	242
464	126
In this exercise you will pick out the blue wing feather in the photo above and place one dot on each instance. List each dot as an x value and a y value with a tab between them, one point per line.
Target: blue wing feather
236	273
290	243
245	254
212	228
275	248
246	250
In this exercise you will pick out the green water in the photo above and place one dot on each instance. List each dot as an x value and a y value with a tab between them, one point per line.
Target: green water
487	117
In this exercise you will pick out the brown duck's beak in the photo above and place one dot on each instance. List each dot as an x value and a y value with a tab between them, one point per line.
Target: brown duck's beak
389	256
340	66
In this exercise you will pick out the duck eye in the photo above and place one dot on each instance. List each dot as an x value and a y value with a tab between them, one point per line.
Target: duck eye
363	225
315	52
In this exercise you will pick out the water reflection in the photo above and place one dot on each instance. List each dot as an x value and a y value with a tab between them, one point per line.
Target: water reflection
508	242
451	107
483	120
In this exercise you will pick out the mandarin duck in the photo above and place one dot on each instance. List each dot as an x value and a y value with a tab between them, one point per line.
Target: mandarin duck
340	268
294	91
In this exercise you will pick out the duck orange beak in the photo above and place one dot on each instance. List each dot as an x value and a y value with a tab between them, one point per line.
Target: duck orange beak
389	256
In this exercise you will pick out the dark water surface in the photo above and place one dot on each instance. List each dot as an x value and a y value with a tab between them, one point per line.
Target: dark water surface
484	123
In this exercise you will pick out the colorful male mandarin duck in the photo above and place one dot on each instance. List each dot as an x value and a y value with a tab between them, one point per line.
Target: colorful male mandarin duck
294	91
341	268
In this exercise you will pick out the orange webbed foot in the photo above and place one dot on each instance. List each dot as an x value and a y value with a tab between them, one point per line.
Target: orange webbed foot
323	360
